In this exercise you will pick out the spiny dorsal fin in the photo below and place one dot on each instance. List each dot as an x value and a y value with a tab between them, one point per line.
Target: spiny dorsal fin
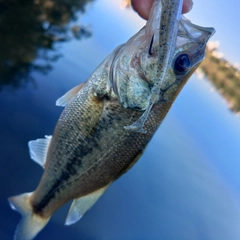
82	204
63	101
38	149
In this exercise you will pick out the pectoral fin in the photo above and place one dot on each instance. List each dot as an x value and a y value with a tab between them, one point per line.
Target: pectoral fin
81	205
38	149
62	101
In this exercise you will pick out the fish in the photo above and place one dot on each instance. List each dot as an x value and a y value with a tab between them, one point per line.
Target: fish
108	120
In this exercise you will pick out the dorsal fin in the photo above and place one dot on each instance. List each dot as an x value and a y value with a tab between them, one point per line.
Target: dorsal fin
82	204
63	101
38	149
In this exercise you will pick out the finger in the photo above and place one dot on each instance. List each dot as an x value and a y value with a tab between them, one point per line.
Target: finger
142	7
187	6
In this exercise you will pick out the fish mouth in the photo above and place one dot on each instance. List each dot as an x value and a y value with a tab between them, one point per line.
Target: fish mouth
193	33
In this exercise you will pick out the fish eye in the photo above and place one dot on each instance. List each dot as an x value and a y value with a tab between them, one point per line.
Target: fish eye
182	63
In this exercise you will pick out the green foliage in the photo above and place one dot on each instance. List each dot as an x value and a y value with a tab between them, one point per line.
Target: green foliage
225	77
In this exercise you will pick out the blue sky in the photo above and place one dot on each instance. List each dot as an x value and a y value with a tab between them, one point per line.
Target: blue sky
224	16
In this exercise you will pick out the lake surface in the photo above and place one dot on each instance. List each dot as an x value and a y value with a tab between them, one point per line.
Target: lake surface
187	183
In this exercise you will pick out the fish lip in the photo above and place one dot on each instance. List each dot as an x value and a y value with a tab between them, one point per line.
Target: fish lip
211	30
194	32
207	33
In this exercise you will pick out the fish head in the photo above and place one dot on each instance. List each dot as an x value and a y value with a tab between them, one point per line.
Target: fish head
134	74
188	54
155	63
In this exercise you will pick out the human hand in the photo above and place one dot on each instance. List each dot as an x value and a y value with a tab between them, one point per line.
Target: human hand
142	7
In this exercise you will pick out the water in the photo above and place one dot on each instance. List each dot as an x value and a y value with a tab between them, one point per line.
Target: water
185	186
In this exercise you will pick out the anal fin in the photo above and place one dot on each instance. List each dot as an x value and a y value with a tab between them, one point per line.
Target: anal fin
63	101
38	149
81	205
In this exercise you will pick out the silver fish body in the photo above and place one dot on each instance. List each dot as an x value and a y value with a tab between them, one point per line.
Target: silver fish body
92	144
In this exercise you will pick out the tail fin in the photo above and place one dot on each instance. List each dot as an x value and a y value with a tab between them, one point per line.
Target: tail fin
31	223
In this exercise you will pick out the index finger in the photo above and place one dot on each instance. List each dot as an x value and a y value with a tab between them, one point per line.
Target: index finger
142	7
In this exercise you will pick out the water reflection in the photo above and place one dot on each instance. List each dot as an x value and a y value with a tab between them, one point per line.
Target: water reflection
29	32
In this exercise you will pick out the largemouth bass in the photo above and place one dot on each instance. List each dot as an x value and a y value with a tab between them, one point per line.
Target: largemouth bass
108	120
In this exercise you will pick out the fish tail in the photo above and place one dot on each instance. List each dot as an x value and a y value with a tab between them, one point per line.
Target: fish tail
31	223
